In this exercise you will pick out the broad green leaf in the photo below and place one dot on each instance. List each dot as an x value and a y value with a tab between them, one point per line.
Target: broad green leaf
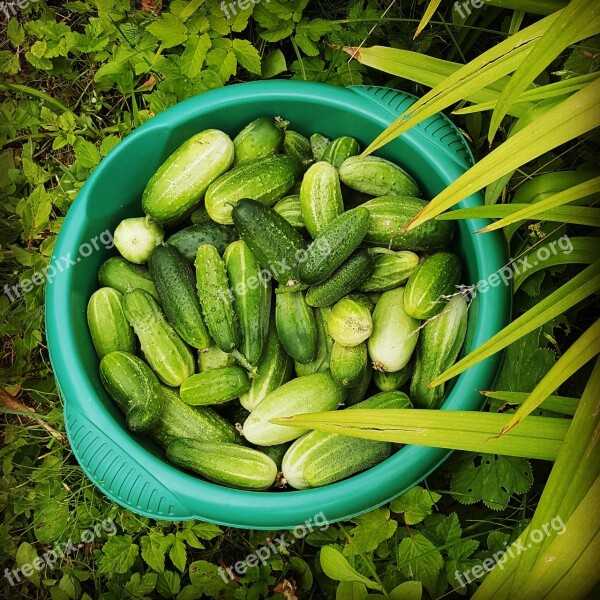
409	590
15	32
415	505
274	64
190	9
427	15
335	566
206	579
247	55
168	584
207	531
168	30
86	153
118	555
559	404
194	55
177	552
9	62
419	559
372	529
26	554
351	590
460	561
154	547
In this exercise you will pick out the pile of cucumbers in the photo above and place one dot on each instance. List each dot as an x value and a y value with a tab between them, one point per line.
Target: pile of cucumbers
269	277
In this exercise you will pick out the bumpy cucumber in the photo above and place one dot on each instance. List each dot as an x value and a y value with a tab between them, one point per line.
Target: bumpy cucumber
324	345
176	287
339	150
350	321
439	344
228	464
216	298
320	197
182	180
274	369
276	453
377	177
296	326
258	139
336	242
348	364
123	276
215	386
108	326
395	333
188	240
436	277
276	245
289	209
313	393
295	144
133	386
168	355
391	270
392	380
251	299
318	144
214	358
357	393
389	214
265	180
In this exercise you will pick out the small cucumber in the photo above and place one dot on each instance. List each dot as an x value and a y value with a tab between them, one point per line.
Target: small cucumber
215	386
274	369
377	177
176	286
320	197
289	209
133	386
235	413
392	380
168	355
228	464
395	332
258	139
391	270
318	144
347	278
439	344
350	321
296	326
136	238
357	394
108	326
123	276
214	358
216	298
313	393
276	245
339	150
182	180
436	277
296	145
336	242
276	453
188	240
348	364
265	180
389	214
324	344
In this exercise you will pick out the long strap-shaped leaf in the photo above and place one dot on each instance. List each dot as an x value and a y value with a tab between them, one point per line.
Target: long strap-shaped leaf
582	285
539	437
559	404
427	16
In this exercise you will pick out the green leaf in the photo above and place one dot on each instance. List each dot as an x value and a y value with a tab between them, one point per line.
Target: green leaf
169	30
9	62
223	62
371	529
26	554
420	560
67	585
351	590
427	15
168	584
177	553
207	531
205	577
459	561
447	530
274	64
154	547
415	504
16	33
108	143
118	555
559	404
247	55
409	590
87	154
335	566
194	55
139	586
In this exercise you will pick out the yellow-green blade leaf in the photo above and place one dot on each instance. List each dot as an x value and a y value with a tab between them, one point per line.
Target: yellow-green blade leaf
559	404
336	567
427	16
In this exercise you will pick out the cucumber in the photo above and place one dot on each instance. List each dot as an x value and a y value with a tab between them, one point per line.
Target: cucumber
176	287
274	369
377	177
395	332
318	145
313	393
180	420
188	240
348	364
296	145
320	197
350	322
168	355
276	245
108	326
136	238
357	394
432	281
214	358
392	380
215	386
389	214
251	299
339	150
265	180
228	464
182	180
296	326
391	270
133	386
123	276
216	298
258	139
324	345
276	453
347	278
235	413
289	209
439	344
336	242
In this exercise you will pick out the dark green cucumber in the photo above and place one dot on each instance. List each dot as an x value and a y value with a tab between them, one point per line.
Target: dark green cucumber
123	276
216	298
318	144
320	363
134	387
387	381
215	386
340	149
391	270
430	283
357	394
389	214
336	242
296	145
188	240
276	453
289	209
348	364
176	287
275	243
258	139
235	413
296	326
350	322
347	278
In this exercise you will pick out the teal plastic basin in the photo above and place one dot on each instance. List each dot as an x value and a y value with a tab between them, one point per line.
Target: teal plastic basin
132	471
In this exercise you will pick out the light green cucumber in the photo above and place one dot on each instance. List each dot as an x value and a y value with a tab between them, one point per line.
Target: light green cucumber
123	276
320	363
339	150
350	322
215	386
214	358
289	209
387	381
260	138
348	364
295	144
391	270
318	144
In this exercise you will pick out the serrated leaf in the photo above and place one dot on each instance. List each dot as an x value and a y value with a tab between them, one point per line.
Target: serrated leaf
139	586
168	584
108	143
16	33
490	478
67	585
86	153
223	62
154	547
169	30
447	530
415	504
206	578
247	55
335	566
177	553
9	62
118	555
420	560
459	562
194	55
274	64
371	529
207	531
